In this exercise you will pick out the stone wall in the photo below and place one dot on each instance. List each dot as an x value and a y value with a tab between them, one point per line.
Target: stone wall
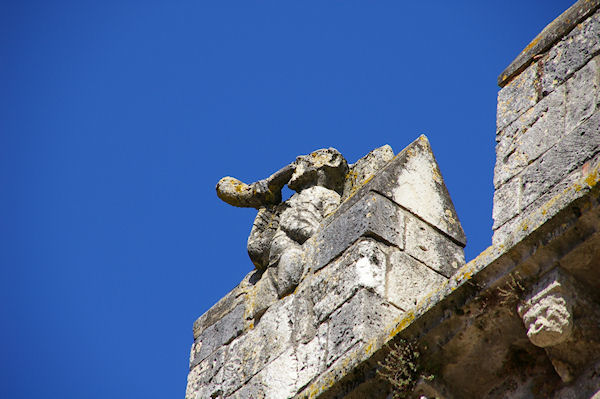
548	120
395	237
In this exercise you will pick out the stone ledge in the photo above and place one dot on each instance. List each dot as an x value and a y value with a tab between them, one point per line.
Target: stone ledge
550	35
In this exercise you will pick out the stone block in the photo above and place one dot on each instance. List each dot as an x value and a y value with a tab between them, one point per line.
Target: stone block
373	215
582	94
260	296
517	97
312	356
205	378
251	352
507	202
363	318
218	334
363	265
431	247
529	136
277	380
365	168
409	281
571	152
221	308
571	53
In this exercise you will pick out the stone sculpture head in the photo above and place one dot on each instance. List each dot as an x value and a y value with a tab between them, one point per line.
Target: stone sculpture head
548	315
326	168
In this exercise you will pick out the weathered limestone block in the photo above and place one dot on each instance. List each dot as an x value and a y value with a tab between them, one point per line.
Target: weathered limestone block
260	296
373	215
507	202
277	380
357	322
583	90
220	309
413	181
409	280
431	247
205	379
249	353
218	334
570	153
363	265
529	136
517	97
365	168
571	53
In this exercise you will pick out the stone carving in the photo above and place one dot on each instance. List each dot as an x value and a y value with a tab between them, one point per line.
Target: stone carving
548	315
280	229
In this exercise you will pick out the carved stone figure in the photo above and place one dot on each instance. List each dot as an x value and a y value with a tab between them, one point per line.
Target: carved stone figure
280	229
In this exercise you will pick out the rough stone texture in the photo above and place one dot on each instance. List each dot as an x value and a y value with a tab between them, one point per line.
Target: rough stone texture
517	97
558	28
261	236
363	265
251	352
548	313
430	247
365	168
372	215
413	181
222	332
571	152
306	211
583	94
531	135
571	53
358	320
409	280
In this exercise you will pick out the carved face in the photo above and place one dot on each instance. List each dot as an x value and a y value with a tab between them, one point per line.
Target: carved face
548	319
325	167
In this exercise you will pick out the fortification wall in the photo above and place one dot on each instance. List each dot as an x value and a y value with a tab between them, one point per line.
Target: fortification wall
376	302
548	121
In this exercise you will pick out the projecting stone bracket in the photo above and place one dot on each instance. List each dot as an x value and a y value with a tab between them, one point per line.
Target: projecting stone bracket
561	316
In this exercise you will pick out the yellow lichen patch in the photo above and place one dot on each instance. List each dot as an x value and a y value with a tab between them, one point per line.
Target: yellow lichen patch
407	318
530	45
592	179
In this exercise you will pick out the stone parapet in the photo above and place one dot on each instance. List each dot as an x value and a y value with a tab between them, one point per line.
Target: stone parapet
367	265
548	121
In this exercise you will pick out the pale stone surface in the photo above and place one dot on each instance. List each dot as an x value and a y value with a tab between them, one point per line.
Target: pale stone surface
365	168
357	322
325	168
261	236
507	202
362	266
413	180
582	94
432	248
306	211
249	353
571	152
571	53
529	136
517	97
372	215
548	318
409	280
222	332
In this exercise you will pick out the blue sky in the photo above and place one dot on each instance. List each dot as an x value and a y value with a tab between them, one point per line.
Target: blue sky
117	118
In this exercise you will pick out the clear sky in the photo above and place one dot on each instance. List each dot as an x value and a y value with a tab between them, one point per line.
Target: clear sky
117	118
